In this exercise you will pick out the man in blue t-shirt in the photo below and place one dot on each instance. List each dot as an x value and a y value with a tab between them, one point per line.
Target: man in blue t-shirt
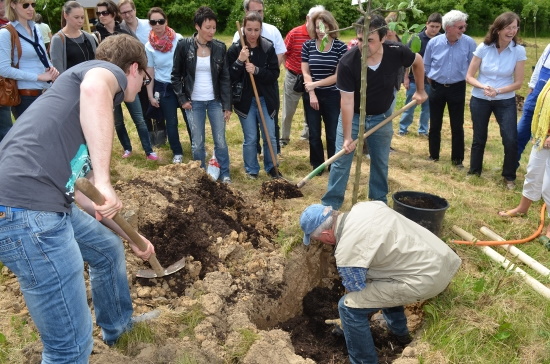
44	238
384	62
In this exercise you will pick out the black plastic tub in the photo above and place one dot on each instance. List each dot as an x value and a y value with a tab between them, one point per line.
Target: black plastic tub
425	209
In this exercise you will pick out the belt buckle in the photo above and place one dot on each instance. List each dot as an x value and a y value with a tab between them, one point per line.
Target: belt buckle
446	85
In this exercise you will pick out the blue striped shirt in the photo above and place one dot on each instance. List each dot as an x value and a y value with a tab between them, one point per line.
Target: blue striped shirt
323	64
353	278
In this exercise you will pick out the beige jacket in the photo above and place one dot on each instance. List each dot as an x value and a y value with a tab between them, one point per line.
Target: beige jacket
406	262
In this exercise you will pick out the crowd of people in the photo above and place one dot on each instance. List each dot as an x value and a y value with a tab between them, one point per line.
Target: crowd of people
155	71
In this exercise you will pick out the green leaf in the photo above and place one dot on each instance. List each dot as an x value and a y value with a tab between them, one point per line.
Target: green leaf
392	26
3	339
416	44
405	38
479	285
324	41
402	5
504	331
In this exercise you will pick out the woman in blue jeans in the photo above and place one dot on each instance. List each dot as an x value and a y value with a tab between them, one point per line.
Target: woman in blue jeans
160	58
256	58
500	62
321	99
200	77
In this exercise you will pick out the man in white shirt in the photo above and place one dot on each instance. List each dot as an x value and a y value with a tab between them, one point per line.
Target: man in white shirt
139	28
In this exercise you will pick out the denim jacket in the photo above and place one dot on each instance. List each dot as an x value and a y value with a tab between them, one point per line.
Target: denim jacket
185	63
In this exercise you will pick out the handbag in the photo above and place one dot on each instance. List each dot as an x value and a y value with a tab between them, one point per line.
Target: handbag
9	94
299	84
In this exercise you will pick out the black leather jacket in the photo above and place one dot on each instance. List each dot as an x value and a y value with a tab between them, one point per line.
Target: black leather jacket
185	63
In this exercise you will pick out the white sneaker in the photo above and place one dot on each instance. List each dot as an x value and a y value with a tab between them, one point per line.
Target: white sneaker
178	158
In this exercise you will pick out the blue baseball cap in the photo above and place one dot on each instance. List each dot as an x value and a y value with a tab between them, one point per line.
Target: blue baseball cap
312	217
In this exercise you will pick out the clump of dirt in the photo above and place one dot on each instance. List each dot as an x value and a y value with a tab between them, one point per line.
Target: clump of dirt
280	189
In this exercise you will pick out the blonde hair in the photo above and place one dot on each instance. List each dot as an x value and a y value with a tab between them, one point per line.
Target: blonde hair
11	14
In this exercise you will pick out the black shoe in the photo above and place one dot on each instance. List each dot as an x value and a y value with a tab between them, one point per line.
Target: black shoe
273	173
432	159
458	165
403	340
252	175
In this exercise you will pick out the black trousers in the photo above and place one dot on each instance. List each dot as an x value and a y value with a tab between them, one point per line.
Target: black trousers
454	96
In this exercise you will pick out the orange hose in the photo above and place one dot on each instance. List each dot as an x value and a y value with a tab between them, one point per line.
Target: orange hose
520	241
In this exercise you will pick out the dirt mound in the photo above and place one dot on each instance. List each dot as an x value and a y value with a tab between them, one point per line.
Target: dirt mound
236	282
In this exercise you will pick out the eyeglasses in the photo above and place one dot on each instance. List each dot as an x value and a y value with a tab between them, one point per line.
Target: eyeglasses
462	27
146	79
102	13
127	12
26	5
155	22
511	28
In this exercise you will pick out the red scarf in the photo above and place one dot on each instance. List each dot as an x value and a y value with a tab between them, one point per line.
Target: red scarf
163	44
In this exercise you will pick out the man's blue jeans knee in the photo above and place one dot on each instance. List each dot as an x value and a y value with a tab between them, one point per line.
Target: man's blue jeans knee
379	150
46	251
356	326
407	117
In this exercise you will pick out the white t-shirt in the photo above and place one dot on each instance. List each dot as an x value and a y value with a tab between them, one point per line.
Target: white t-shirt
203	89
143	30
273	34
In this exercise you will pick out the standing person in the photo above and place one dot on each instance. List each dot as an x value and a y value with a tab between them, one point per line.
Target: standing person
383	66
109	24
71	46
140	28
538	80
5	111
272	33
293	64
537	178
385	261
433	26
446	61
200	77
45	238
500	62
35	70
160	50
257	58
44	30
321	98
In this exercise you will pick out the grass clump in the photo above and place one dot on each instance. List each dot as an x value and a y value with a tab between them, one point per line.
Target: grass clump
238	351
129	341
190	320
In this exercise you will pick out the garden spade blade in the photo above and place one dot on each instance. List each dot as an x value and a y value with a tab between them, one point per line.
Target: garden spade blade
150	273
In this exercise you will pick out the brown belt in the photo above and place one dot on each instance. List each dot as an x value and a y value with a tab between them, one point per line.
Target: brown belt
24	92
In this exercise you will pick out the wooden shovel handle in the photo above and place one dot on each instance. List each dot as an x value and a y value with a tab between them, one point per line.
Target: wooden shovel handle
90	191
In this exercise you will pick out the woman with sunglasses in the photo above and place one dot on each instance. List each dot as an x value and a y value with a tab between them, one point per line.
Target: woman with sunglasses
201	80
256	58
35	69
160	60
108	25
71	46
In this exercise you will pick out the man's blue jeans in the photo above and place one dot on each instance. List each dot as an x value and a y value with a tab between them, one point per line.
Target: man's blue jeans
408	115
356	326
197	120
506	114
250	131
5	121
46	251
134	108
379	150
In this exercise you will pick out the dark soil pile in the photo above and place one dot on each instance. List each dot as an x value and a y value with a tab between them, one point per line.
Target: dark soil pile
280	189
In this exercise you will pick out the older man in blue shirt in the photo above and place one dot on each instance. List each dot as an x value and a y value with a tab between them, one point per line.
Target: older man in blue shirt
446	62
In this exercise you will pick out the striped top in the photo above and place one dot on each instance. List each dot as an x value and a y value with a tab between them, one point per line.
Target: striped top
294	41
323	64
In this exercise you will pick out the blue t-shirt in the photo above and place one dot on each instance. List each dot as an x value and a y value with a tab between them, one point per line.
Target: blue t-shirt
45	151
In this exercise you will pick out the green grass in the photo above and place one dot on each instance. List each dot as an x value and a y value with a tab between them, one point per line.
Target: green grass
128	343
487	315
190	320
237	352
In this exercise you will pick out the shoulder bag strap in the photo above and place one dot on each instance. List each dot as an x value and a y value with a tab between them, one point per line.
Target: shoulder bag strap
15	42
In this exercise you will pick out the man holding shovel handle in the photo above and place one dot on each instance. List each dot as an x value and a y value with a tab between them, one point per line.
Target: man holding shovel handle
44	237
383	62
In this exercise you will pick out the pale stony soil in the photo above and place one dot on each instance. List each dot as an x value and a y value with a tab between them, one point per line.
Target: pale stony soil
237	278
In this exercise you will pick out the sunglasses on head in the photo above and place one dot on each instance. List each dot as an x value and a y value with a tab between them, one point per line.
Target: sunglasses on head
155	22
102	13
26	5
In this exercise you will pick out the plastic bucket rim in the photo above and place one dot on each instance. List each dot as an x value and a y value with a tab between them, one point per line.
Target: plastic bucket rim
447	205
